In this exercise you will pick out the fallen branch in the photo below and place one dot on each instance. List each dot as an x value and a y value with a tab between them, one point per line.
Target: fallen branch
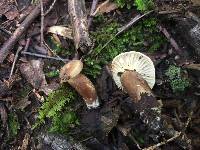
7	46
77	12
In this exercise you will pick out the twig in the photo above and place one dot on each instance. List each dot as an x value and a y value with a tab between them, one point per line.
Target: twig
15	59
44	56
42	24
47	46
127	26
5	31
163	143
50	8
172	138
8	45
170	39
94	5
27	44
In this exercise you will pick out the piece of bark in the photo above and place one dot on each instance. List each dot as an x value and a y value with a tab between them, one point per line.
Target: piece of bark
9	44
78	16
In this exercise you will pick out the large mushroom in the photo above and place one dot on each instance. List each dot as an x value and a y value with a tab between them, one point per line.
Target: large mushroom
71	73
134	73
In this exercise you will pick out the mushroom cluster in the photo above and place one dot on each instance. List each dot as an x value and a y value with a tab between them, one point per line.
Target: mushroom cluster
71	73
134	73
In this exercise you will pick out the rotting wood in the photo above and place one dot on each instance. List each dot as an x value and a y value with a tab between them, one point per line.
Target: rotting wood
9	44
77	12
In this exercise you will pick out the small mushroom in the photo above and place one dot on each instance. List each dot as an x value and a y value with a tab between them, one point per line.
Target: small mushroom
70	70
133	72
70	73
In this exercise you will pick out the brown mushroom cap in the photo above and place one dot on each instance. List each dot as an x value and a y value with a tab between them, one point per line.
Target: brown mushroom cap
70	70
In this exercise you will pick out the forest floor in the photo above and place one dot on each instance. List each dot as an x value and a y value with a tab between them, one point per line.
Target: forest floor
38	37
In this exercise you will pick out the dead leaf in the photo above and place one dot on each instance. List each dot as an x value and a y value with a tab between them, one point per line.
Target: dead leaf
105	7
62	31
32	71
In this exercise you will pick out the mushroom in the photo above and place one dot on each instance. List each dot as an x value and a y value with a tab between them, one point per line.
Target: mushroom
134	73
71	73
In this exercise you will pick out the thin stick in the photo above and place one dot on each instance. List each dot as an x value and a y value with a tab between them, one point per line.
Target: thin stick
9	44
15	59
42	24
44	56
6	31
127	26
94	5
47	46
170	39
50	8
27	44
163	142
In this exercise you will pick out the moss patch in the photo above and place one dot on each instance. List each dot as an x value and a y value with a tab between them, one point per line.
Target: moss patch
176	81
141	37
142	5
58	108
13	125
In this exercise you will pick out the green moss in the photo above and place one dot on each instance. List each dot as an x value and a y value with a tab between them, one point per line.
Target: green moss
124	3
51	74
63	122
57	47
177	82
144	5
13	125
141	37
58	108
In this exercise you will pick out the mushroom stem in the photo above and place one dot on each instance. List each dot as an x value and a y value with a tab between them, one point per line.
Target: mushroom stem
86	89
134	85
